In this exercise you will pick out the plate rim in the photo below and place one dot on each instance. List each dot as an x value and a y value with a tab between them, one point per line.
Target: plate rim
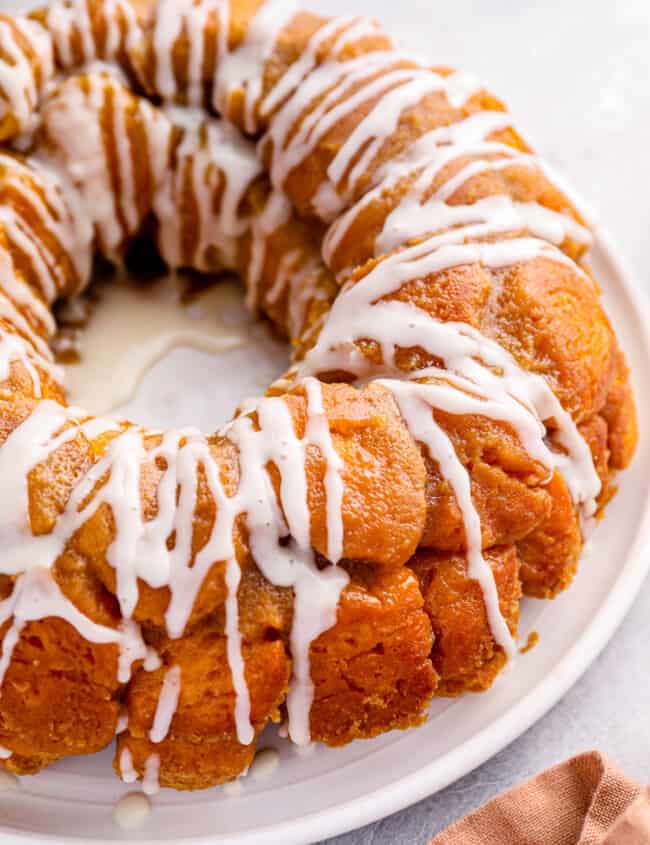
512	723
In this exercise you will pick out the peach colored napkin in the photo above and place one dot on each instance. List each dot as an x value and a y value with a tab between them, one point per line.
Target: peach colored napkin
584	801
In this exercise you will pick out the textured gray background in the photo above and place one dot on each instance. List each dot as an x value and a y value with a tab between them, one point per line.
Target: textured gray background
577	77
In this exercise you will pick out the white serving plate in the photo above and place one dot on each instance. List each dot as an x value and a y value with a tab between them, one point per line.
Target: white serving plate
332	791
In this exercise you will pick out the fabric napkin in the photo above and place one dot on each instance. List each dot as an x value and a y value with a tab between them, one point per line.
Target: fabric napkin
585	801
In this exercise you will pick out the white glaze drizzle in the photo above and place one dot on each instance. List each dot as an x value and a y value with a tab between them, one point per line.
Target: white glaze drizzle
122	722
308	59
265	764
416	403
127	770
61	211
140	547
36	596
316	592
361	311
46	203
167	704
223	165
70	22
14	348
276	213
298	280
242	69
150	782
23	74
132	811
367	76
473	365
426	158
485	218
318	434
123	31
172	18
72	119
237	70
396	81
65	19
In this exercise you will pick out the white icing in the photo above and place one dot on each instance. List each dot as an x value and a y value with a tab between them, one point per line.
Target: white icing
414	401
72	120
482	378
316	592
61	212
414	218
245	730
242	69
170	16
337	89
5	753
276	213
346	86
132	811
14	348
305	750
298	280
150	784
307	61
167	704
365	142
223	165
36	596
22	74
69	22
493	215
11	313
122	723
71	123
122	28
318	434
64	19
127	770
360	312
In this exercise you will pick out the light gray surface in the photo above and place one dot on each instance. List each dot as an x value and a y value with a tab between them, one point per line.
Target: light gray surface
577	77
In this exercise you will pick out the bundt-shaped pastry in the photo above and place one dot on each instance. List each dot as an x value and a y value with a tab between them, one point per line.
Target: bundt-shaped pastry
358	540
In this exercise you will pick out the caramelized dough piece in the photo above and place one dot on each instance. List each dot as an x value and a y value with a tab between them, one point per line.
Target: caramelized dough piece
549	554
546	314
509	488
127	143
619	412
371	671
464	653
60	695
202	748
383	505
26	61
